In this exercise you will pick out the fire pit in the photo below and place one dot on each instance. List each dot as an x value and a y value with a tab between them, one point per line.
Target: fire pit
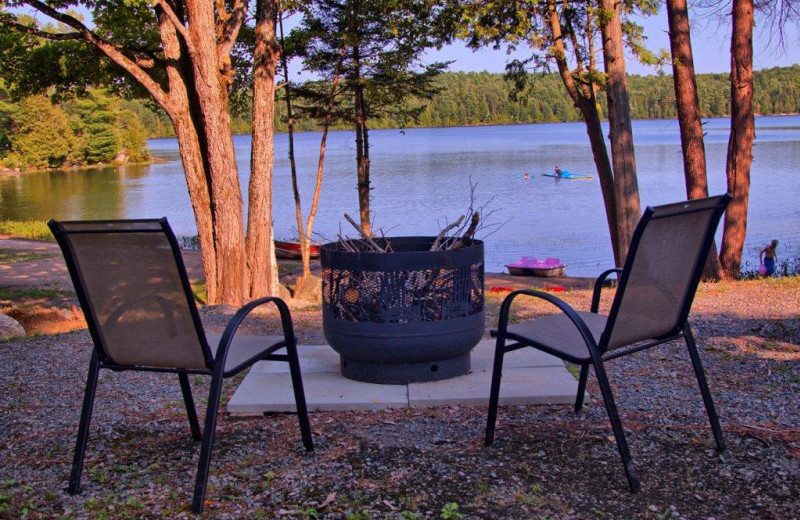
408	315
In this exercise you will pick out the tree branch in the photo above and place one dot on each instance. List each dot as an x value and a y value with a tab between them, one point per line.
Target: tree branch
110	50
229	29
177	23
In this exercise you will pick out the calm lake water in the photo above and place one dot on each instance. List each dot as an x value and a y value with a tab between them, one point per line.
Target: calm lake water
421	180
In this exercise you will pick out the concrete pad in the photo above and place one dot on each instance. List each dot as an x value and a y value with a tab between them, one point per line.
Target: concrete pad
529	377
519	386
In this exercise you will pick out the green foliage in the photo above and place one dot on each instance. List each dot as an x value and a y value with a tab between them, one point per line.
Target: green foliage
450	512
38	135
132	137
30	229
35	133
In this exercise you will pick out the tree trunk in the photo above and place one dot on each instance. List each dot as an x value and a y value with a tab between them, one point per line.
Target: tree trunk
620	132
688	108
262	266
740	143
178	75
584	99
362	162
226	195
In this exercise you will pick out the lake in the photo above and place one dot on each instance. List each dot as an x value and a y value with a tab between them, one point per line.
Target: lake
421	181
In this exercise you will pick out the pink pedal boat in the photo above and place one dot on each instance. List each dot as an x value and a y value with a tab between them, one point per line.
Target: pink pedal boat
530	266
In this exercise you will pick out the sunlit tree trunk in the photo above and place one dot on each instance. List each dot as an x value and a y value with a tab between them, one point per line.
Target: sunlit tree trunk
262	266
740	143
691	127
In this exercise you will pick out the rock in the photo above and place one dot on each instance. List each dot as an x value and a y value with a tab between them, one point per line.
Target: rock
10	328
309	289
284	293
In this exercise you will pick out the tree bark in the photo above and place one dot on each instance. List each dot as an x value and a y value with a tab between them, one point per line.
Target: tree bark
740	142
226	196
362	160
262	266
584	99
620	131
688	108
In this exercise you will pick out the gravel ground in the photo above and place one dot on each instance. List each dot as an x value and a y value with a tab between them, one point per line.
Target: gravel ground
406	464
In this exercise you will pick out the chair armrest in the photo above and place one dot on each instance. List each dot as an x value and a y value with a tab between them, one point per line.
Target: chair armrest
598	286
227	337
574	317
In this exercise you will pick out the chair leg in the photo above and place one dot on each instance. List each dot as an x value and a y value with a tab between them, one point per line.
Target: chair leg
186	390
207	445
701	380
83	429
581	388
494	394
616	425
299	397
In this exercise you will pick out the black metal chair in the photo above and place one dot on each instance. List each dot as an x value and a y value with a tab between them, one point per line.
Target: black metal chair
132	285
652	303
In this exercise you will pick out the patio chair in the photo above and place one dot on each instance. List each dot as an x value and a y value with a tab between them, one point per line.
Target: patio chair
652	303
132	285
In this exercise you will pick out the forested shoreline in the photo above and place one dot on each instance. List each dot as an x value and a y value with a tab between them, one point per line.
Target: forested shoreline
35	133
483	98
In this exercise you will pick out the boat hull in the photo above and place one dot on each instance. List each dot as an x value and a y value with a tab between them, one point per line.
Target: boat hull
291	250
560	270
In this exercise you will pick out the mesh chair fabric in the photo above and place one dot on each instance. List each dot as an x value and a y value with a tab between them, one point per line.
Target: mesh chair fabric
661	273
133	285
559	335
243	349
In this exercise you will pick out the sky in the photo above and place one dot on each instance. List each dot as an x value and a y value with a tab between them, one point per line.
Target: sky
710	44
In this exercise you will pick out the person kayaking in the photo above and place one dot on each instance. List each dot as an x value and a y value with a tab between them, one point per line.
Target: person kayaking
558	171
767	258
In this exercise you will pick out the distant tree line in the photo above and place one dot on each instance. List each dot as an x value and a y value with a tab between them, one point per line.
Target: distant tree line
36	133
483	98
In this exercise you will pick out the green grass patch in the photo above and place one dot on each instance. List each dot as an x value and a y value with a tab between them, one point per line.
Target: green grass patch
21	294
199	291
11	256
30	229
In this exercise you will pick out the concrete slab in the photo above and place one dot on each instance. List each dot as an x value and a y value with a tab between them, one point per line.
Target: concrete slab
529	377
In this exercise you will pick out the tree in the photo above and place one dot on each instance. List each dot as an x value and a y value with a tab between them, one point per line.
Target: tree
620	131
384	43
38	134
740	142
179	53
688	108
564	33
133	137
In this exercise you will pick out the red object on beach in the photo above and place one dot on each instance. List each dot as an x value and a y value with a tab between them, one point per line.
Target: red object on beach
291	250
555	288
500	289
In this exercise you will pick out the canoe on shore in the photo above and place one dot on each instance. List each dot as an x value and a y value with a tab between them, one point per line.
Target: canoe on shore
291	250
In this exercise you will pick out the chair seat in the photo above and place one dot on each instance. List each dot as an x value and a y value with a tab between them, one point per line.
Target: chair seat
244	350
557	334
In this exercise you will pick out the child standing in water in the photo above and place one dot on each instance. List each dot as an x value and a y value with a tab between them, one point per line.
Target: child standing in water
767	258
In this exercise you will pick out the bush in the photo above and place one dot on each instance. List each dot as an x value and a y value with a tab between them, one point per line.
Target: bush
30	229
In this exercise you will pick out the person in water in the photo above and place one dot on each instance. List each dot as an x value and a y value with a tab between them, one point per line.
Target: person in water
767	258
557	170
526	176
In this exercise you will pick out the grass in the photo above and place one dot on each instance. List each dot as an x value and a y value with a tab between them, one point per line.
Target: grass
32	293
30	229
12	256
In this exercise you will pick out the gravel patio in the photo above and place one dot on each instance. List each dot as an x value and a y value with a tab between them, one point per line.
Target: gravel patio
430	463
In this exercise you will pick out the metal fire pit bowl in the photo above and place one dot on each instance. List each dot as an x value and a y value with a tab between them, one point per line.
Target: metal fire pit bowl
409	315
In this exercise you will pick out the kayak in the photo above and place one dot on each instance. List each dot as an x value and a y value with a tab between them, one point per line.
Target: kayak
567	175
291	250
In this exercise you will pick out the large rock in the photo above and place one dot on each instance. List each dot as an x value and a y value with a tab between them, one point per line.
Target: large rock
10	328
309	289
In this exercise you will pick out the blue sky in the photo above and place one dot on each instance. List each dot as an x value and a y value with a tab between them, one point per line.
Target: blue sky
710	43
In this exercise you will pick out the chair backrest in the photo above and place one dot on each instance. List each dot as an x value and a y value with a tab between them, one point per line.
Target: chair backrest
132	285
661	273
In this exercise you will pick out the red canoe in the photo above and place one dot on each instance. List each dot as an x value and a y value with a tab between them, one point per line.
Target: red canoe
291	250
